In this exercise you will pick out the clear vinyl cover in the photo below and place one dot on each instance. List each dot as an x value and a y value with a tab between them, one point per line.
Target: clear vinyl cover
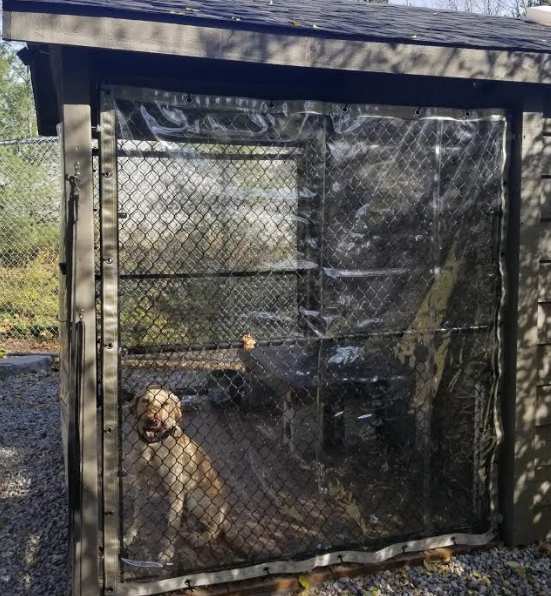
320	286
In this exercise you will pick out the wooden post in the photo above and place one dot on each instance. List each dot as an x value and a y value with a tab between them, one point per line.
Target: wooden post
77	142
541	498
520	381
64	310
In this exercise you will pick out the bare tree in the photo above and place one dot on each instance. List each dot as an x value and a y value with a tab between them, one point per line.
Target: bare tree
512	8
518	7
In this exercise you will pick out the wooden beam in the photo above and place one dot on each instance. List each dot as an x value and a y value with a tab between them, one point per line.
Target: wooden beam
77	141
530	361
276	49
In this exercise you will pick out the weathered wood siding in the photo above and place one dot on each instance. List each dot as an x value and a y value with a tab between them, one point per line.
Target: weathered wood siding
542	415
529	517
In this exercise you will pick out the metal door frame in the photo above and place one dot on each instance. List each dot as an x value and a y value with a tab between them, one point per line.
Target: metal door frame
109	343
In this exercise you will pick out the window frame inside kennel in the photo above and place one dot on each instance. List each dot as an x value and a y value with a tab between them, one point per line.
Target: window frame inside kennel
110	375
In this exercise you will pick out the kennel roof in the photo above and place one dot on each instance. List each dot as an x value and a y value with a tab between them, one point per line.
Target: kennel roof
339	19
320	36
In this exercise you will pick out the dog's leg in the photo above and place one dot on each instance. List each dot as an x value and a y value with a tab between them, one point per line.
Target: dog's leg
174	522
210	511
137	479
139	514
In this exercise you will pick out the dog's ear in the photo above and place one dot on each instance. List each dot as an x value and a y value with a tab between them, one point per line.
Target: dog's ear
130	397
177	407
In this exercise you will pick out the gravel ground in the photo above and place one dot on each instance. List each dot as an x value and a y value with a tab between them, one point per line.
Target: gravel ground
33	515
33	512
498	571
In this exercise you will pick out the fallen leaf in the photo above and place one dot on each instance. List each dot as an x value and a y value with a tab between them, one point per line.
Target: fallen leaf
516	568
443	555
430	567
304	582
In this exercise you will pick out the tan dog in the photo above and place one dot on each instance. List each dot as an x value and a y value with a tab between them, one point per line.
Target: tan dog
163	452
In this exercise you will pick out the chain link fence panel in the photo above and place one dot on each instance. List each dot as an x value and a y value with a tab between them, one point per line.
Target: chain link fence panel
30	191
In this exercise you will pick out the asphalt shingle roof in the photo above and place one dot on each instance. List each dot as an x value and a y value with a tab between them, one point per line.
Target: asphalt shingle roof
342	19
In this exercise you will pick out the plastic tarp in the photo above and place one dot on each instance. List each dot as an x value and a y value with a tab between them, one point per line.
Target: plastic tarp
358	246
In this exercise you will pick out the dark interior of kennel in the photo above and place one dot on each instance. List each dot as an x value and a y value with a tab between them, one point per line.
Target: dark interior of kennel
362	255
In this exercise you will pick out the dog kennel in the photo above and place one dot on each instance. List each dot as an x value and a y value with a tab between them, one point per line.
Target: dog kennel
324	231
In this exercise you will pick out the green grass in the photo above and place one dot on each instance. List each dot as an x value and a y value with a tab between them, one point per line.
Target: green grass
29	299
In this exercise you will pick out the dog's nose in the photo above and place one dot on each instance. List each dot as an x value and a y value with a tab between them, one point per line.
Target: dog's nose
153	422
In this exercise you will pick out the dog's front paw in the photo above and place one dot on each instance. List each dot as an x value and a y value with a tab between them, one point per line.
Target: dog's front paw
166	556
199	539
131	535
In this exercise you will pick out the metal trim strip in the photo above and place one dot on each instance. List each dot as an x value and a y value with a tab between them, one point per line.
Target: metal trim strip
247	104
110	344
305	566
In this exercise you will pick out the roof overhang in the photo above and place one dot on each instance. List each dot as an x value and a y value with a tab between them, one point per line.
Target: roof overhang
45	93
168	38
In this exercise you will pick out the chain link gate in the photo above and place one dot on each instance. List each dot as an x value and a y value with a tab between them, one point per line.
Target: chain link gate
299	312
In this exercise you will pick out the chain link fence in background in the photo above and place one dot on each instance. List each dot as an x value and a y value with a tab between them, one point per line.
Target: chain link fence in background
29	234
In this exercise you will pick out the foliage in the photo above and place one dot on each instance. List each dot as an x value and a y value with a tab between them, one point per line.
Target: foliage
29	202
17	114
28	300
29	235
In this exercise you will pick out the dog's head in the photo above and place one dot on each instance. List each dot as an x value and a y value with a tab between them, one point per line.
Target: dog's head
158	414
